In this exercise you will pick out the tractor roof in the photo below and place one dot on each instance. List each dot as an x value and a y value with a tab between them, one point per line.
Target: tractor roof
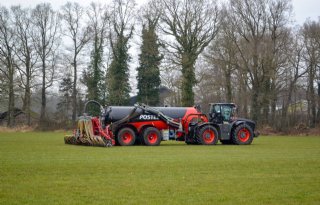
222	104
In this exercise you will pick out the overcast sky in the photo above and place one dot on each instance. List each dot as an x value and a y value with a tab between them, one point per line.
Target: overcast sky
303	9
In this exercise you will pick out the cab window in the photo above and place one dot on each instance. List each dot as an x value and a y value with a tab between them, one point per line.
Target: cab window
214	109
217	109
226	112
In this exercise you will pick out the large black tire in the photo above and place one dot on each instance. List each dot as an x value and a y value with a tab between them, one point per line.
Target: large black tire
208	135
151	136
126	136
242	135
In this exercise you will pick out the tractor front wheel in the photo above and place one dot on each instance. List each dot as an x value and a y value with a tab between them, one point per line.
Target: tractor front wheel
151	136
208	135
242	135
126	136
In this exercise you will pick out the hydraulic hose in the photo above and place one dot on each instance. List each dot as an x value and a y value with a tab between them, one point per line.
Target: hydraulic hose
94	102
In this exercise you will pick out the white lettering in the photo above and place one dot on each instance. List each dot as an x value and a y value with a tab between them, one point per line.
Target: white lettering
148	117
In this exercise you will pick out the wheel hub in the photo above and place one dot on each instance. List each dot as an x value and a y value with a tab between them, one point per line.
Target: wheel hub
243	135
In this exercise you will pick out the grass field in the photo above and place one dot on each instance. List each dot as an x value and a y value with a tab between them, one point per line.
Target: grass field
38	168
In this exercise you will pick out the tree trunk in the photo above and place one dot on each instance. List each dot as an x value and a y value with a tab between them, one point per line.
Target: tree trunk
285	107
27	93
266	101
311	93
43	96
255	110
187	92
188	80
27	102
228	84
74	90
11	120
313	106
318	96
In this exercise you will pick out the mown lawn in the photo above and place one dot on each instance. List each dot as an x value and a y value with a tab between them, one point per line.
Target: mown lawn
38	168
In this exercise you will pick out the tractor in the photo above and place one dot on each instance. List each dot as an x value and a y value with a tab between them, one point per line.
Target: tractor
223	123
141	124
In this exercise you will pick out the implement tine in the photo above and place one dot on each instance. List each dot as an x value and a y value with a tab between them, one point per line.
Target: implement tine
84	135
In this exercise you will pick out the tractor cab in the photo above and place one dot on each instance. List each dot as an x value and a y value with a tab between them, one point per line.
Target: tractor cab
222	113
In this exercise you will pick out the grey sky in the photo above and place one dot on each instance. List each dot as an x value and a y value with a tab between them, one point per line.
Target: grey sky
303	9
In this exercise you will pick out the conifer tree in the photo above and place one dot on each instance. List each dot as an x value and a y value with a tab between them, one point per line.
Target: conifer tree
118	87
118	73
94	77
148	71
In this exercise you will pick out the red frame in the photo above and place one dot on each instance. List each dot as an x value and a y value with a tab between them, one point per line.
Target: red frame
162	125
97	130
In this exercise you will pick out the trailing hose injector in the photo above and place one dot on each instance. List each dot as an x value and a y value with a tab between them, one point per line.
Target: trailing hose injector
89	131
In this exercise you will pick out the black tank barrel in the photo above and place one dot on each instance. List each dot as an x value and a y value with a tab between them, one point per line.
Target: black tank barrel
115	113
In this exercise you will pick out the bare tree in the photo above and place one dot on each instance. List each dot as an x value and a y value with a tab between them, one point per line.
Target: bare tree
26	54
171	78
311	37
221	56
72	14
279	18
7	58
260	39
193	24
292	73
45	36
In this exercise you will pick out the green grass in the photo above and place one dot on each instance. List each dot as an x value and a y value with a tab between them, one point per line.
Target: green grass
38	168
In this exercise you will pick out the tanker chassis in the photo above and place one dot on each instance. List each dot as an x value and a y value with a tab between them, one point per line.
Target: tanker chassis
141	124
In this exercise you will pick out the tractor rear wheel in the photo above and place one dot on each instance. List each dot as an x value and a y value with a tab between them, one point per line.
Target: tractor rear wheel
242	135
151	136
208	135
126	136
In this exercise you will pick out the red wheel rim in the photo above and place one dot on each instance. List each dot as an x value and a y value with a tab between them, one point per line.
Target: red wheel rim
244	135
127	137
152	137
208	136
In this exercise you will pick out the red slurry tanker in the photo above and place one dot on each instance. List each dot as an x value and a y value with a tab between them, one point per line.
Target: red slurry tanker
141	124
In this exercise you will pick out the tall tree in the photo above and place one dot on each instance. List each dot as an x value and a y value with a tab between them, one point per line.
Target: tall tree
118	71
260	33
26	54
279	18
72	14
292	73
311	38
94	76
222	55
148	72
46	34
7	58
193	24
